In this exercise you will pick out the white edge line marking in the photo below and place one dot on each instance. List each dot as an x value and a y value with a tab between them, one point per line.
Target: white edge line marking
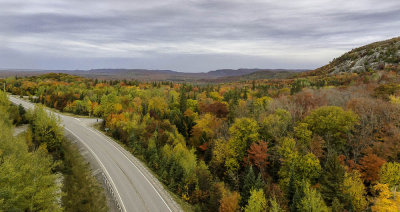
112	144
101	164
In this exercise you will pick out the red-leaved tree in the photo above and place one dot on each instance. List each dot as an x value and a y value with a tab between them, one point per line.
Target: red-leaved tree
258	156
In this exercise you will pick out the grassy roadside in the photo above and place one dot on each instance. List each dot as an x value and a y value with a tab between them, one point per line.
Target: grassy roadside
82	190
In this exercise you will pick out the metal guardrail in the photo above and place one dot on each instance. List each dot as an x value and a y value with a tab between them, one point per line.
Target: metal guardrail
111	190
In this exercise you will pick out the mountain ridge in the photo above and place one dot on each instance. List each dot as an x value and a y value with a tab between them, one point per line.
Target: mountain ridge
152	74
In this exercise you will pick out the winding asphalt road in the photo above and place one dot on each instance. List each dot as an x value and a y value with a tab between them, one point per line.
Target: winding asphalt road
133	186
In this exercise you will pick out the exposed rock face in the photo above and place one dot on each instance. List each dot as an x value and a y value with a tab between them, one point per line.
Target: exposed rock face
375	56
369	57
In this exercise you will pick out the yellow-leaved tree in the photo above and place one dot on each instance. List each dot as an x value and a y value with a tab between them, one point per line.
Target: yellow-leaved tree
355	188
386	200
257	201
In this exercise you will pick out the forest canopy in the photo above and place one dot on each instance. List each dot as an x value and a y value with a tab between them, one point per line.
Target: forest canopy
318	143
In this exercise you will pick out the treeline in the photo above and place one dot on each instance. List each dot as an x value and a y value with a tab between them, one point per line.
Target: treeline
39	170
27	180
321	143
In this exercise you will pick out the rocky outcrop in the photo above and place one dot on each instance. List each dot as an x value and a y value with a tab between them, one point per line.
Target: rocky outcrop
373	58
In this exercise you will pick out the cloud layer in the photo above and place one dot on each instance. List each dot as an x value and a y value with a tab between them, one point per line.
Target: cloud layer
188	35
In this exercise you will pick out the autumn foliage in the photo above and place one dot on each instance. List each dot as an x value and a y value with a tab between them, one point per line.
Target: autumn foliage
317	143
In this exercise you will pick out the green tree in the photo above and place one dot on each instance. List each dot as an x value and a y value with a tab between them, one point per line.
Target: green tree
303	135
257	201
332	181
46	130
333	124
107	104
260	105
275	125
26	179
390	174
182	100
244	132
295	165
250	182
274	206
355	188
311	201
205	129
298	85
297	196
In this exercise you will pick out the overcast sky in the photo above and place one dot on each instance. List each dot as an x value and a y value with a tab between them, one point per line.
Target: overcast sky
188	35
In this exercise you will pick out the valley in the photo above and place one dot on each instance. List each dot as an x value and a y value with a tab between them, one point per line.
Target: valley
239	140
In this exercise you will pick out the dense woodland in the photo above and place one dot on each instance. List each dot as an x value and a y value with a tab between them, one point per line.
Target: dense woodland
39	169
321	142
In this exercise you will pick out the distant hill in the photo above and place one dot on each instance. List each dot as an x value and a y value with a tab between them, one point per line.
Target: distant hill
258	75
373	56
222	75
168	74
271	74
130	71
139	74
231	72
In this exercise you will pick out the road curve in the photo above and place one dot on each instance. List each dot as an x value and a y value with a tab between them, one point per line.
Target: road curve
133	186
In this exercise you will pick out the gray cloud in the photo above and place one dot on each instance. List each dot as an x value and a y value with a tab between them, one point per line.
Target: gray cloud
188	35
